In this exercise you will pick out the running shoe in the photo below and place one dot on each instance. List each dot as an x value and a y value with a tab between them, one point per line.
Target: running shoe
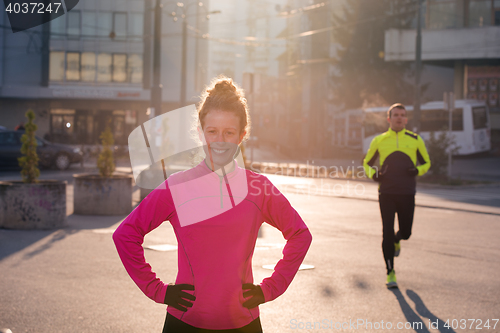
397	249
391	280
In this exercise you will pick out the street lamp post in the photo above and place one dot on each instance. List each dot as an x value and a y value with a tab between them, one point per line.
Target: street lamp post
418	68
184	62
184	44
156	89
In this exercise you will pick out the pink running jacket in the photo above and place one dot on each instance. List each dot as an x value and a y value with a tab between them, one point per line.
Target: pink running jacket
216	221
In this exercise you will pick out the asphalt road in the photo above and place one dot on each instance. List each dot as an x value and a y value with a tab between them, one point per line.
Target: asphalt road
71	280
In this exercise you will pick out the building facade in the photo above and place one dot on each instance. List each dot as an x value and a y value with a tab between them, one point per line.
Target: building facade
93	66
306	68
463	35
243	38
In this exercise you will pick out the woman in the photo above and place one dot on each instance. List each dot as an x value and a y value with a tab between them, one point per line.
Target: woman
216	210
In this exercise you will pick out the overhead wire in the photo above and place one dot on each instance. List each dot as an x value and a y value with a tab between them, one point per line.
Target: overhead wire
265	42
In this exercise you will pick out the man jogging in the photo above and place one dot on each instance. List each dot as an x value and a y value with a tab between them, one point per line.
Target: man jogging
399	151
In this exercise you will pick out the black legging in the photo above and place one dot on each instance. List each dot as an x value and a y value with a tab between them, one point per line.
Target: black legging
174	325
390	204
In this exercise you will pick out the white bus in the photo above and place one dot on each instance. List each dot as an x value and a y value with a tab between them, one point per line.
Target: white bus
355	129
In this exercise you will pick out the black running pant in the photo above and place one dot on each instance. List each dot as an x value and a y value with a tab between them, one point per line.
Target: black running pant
174	325
390	204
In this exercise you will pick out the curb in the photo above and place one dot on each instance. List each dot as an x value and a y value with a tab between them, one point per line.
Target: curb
295	168
295	191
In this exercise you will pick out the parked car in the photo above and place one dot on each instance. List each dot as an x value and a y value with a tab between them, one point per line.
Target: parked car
50	154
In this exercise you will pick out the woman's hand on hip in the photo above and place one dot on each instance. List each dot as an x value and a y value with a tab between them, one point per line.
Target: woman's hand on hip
255	293
179	299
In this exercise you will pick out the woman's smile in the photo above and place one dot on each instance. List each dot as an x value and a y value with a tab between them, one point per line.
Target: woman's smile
219	151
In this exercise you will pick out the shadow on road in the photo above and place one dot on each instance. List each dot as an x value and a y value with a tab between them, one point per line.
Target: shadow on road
48	243
417	323
410	315
328	292
13	241
86	222
424	311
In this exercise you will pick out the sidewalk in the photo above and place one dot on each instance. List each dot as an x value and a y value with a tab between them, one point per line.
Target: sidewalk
480	198
478	168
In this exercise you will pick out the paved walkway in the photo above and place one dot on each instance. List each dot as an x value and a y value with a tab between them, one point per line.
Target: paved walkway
479	168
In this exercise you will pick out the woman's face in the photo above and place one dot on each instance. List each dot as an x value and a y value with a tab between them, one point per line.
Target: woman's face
221	137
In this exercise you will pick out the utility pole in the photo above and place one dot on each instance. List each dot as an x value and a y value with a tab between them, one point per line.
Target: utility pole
156	89
184	61
449	105
418	65
184	45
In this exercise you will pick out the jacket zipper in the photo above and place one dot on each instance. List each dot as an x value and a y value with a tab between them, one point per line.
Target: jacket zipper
220	187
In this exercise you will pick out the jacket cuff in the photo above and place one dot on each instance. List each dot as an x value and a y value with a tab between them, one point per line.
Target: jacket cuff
266	292
160	296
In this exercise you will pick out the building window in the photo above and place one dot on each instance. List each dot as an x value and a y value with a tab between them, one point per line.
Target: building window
83	127
88	66
496	14
443	14
62	123
58	27
104	67
135	68
57	64
104	24
119	127
136	26
120	25
73	24
119	67
479	13
89	24
92	67
73	66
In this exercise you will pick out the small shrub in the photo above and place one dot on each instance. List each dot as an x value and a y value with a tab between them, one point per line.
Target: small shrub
29	162
438	147
105	162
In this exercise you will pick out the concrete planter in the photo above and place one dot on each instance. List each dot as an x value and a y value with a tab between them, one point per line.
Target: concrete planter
33	206
96	195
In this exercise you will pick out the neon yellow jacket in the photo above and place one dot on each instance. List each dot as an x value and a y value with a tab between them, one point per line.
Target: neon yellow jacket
398	152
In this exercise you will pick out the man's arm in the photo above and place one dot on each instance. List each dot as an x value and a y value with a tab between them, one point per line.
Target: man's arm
370	158
422	157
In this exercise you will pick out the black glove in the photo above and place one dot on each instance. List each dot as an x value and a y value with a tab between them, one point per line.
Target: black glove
412	172
177	298
377	176
255	293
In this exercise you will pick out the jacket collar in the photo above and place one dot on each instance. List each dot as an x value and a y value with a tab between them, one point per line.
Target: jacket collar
392	132
230	171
